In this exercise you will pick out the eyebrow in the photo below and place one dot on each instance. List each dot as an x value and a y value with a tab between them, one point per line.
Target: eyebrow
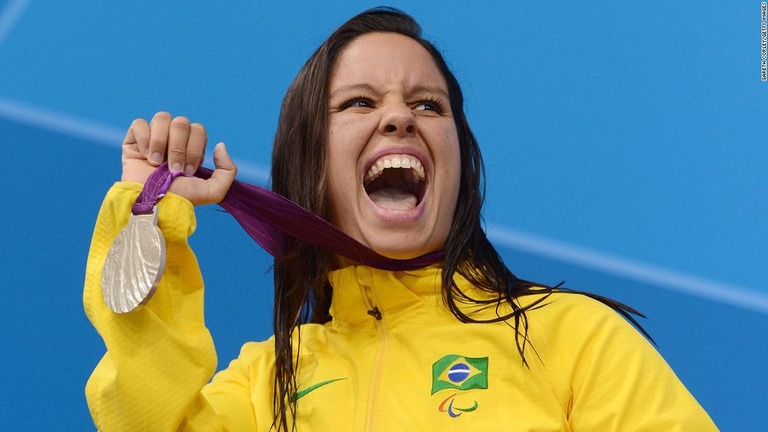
353	88
430	89
369	88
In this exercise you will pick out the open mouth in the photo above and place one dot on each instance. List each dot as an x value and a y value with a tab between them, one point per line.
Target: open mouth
396	182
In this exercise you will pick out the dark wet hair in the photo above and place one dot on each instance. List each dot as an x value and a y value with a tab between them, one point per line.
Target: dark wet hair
302	291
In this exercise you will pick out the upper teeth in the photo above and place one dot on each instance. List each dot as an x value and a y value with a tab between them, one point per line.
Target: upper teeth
395	161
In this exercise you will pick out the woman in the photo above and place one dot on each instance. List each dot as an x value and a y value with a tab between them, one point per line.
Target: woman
372	137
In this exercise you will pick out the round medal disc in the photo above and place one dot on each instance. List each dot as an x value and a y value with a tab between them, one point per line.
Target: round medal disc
134	264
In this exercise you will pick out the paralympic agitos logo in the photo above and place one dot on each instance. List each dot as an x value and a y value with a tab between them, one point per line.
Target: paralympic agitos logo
456	372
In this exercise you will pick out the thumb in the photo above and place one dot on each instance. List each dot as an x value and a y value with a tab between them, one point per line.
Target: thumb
223	175
214	189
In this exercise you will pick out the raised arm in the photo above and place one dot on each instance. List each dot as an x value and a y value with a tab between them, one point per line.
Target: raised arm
160	355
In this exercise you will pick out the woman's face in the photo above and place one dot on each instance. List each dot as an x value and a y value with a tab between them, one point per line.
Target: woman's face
393	151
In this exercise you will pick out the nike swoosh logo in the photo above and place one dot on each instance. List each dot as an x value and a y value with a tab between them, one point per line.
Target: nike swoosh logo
301	393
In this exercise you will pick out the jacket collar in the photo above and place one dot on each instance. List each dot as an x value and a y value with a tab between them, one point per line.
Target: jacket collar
358	290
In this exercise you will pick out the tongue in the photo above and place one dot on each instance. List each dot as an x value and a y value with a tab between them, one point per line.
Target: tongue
393	199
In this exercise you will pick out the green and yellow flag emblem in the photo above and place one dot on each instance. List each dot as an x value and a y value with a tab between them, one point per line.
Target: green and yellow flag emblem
461	373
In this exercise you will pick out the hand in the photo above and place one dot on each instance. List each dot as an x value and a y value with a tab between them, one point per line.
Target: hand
146	146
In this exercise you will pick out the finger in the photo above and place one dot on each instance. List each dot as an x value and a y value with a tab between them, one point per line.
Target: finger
158	138
136	139
135	144
223	175
178	135
198	139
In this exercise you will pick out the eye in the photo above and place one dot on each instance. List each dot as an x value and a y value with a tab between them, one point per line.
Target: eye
357	102
431	104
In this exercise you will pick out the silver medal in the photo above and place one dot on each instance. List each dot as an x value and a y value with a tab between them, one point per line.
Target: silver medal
134	264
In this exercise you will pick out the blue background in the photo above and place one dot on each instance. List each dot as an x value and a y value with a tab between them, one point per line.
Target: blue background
625	146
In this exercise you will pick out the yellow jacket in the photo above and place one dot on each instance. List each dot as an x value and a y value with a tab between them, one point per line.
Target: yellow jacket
413	367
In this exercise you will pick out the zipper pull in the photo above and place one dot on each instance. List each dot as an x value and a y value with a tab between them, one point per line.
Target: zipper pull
375	313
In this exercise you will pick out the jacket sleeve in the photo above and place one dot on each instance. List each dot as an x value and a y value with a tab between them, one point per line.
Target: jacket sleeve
159	356
609	376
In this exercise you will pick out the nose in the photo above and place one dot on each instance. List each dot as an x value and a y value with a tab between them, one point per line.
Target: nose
398	120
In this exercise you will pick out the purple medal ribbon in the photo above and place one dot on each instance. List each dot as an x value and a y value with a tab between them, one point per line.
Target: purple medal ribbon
155	188
270	219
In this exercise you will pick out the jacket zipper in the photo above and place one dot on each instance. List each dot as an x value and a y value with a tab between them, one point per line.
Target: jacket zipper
378	363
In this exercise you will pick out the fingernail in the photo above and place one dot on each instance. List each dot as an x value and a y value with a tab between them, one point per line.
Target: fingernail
176	167
189	169
156	158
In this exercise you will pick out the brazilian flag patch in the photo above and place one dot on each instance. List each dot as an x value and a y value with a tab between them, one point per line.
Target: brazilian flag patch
459	372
